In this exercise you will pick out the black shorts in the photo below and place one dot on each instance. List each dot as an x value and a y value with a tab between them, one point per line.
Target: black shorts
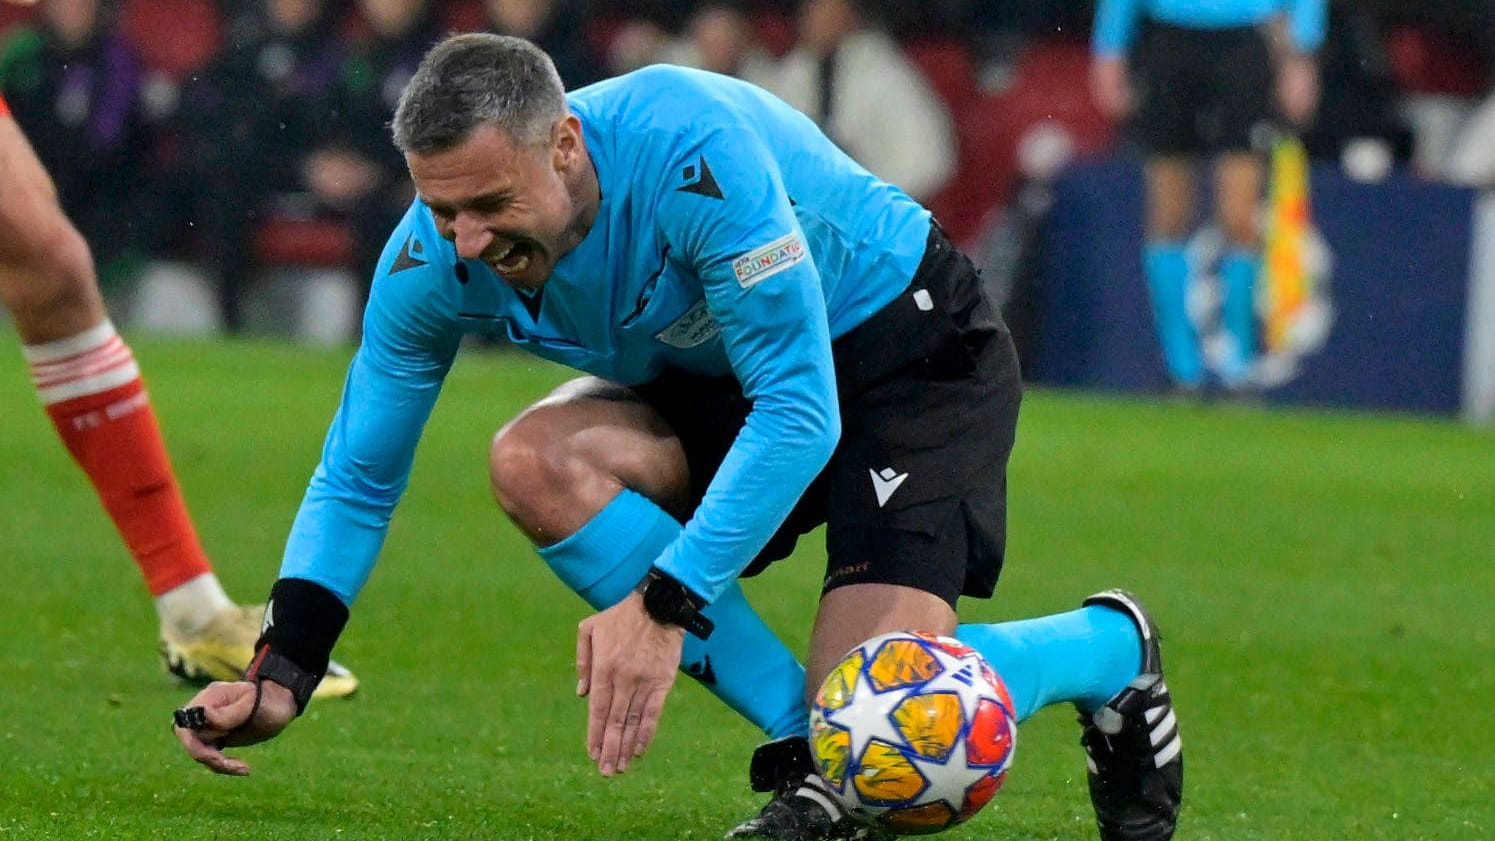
916	491
1203	91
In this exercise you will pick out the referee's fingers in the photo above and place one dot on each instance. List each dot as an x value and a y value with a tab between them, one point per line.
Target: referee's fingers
225	706
220	708
209	754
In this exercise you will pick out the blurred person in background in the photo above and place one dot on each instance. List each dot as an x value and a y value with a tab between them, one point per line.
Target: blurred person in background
1211	79
1357	122
720	37
76	85
249	121
354	171
556	26
857	84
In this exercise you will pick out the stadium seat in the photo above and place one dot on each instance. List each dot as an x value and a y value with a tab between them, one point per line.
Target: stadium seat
775	30
947	64
1424	63
463	16
992	127
172	37
289	241
12	15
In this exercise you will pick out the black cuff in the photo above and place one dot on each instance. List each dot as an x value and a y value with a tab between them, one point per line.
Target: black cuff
302	623
268	665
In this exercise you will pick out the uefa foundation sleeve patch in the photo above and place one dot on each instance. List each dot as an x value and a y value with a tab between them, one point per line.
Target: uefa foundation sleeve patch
763	263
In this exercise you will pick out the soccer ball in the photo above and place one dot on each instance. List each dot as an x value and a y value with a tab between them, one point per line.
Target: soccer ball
913	731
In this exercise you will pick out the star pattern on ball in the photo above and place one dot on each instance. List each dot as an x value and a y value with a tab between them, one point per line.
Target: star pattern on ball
951	773
957	677
864	728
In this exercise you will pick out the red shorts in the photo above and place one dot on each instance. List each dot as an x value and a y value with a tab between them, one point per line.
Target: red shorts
4	107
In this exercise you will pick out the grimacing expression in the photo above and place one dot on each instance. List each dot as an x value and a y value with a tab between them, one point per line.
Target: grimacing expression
504	202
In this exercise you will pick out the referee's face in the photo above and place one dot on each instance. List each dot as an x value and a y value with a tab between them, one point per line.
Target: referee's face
517	207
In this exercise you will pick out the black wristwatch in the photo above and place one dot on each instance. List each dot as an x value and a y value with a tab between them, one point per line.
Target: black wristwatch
671	603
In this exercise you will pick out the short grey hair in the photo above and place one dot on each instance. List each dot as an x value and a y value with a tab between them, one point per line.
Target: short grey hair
474	79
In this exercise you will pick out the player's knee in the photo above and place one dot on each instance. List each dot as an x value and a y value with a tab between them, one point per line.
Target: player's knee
54	277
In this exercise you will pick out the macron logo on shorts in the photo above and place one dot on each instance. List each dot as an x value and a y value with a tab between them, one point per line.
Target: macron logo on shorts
757	266
885	482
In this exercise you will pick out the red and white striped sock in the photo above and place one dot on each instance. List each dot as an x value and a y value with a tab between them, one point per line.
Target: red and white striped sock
92	390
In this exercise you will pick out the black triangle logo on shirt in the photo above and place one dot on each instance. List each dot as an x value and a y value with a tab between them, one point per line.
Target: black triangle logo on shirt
532	302
702	183
702	671
409	256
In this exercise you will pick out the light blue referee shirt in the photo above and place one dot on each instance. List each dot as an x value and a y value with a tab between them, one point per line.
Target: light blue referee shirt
732	238
1116	20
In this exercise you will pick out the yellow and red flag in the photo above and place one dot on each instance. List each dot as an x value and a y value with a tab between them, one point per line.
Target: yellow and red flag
1288	284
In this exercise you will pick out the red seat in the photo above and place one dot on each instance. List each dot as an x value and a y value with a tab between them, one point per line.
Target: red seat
464	16
1424	63
172	37
947	64
287	241
775	31
1049	89
12	15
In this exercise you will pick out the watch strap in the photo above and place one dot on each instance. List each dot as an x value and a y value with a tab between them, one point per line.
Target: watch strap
277	668
670	602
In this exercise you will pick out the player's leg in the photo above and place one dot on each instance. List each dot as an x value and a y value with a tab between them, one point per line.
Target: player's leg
87	378
594	476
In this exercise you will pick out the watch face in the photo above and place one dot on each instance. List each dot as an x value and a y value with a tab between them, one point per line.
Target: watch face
662	601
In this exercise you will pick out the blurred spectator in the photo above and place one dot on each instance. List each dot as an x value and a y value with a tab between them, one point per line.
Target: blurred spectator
75	88
1357	121
634	43
1212	80
356	170
720	37
555	25
249	121
1471	156
1438	53
859	86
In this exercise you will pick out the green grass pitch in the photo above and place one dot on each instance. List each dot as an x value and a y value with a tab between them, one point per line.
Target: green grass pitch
1324	582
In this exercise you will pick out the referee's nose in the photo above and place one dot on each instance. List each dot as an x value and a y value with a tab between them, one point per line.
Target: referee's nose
470	236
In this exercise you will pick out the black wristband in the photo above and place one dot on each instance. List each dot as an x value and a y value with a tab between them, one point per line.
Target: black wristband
271	666
302	623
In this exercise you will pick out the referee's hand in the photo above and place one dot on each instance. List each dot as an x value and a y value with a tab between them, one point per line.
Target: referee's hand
224	721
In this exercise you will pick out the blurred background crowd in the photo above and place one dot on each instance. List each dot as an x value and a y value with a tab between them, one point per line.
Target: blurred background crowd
208	147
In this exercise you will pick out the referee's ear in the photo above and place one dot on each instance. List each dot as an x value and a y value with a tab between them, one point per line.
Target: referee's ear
566	143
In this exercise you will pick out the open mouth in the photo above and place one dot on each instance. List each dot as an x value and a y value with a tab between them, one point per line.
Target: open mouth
512	260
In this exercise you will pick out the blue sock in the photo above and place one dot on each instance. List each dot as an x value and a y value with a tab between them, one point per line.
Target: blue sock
1238	270
1084	656
743	663
1166	265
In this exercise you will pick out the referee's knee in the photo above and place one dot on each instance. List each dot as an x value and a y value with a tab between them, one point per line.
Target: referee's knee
533	468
